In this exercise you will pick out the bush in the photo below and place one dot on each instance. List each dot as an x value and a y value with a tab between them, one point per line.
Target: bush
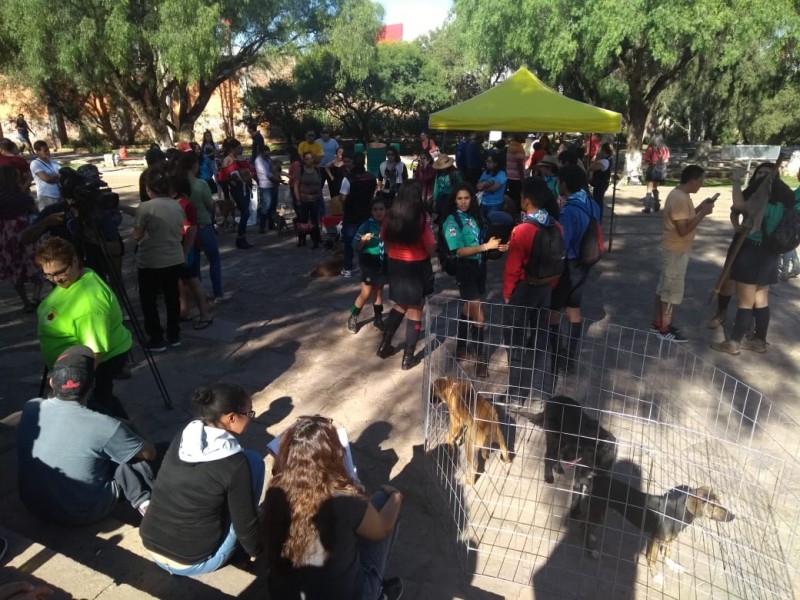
93	141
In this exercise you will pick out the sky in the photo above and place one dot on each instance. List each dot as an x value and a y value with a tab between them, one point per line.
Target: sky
417	16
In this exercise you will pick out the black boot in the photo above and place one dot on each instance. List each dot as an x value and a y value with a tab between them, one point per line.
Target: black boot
378	320
392	322
481	357
408	358
243	244
462	338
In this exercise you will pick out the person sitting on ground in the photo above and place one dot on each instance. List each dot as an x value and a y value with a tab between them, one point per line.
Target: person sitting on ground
77	479
17	264
204	502
82	309
680	219
323	537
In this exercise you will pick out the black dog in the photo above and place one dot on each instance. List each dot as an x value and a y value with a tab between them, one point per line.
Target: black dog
660	518
573	437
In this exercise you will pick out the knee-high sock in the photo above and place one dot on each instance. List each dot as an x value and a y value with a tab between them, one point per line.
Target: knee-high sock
412	333
741	324
762	322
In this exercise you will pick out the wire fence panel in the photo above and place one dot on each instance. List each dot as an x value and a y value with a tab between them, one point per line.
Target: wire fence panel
707	463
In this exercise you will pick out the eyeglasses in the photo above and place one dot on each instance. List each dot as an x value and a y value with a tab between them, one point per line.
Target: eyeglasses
58	274
250	413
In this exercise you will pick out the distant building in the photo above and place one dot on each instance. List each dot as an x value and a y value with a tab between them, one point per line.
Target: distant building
391	33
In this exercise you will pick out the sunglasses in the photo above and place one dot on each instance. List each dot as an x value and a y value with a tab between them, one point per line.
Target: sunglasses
250	413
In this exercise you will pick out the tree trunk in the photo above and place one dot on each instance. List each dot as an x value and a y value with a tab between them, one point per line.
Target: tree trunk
638	119
52	117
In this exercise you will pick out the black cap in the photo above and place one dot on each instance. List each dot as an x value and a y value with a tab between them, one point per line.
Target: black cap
73	372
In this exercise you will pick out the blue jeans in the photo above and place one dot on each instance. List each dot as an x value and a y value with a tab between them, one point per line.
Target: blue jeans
228	547
489	209
373	556
348	234
241	197
208	242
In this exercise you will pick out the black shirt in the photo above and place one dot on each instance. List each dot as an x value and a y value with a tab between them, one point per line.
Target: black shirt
193	504
358	204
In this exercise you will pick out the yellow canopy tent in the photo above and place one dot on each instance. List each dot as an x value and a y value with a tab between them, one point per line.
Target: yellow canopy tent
523	103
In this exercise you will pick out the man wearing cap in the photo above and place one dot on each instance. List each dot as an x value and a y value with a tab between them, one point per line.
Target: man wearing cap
75	463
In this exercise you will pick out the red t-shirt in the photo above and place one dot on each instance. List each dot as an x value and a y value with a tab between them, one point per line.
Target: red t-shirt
16	161
519	251
411	252
190	218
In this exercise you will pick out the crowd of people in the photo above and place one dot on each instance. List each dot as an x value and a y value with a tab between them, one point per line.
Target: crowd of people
317	530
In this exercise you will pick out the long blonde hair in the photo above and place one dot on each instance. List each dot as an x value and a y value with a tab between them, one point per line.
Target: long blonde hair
308	471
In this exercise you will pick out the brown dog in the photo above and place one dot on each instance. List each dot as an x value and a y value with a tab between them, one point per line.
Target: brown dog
473	419
660	518
330	267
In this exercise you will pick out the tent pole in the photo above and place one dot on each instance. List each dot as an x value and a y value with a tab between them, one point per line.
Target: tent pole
614	191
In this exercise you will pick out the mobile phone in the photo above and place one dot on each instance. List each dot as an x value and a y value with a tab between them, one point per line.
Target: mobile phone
714	198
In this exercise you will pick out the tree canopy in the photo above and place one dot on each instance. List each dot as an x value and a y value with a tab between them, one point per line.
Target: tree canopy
620	54
163	58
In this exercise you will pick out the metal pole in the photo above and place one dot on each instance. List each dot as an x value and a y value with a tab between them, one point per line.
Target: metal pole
614	191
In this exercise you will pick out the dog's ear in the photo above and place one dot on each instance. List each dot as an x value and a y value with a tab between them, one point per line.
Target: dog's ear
703	502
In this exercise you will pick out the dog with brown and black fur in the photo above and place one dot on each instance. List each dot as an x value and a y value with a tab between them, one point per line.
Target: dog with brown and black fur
473	419
331	266
572	437
660	518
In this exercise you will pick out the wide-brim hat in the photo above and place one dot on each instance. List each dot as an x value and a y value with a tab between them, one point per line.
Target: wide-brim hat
443	162
549	161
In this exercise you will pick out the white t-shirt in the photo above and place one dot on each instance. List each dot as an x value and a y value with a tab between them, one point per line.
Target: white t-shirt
263	171
344	189
43	188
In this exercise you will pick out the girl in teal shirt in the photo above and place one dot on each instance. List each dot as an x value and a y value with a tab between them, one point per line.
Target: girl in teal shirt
462	233
372	261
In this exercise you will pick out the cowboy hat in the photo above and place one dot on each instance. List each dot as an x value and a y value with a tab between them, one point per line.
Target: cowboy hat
443	162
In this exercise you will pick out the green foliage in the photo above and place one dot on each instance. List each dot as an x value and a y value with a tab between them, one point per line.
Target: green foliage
624	54
153	51
93	141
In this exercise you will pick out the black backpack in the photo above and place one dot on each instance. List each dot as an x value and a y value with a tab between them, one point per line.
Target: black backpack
592	242
448	259
546	261
786	236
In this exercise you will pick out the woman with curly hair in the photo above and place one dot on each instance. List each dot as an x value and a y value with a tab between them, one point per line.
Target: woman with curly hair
323	537
204	501
410	244
462	231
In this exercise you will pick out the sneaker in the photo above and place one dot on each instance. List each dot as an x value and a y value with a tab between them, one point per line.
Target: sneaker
728	346
392	589
346	273
655	329
352	323
672	335
156	346
175	342
754	344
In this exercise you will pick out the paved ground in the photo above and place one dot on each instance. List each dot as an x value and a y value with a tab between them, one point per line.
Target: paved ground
282	335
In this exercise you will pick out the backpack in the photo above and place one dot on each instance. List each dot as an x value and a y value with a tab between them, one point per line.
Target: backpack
786	235
546	261
448	259
592	242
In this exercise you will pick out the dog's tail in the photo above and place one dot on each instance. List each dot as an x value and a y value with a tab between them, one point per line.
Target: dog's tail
535	418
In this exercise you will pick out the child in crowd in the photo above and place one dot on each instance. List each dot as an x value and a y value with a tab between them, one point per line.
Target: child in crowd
373	263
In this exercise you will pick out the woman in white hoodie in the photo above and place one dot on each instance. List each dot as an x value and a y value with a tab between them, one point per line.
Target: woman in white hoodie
204	501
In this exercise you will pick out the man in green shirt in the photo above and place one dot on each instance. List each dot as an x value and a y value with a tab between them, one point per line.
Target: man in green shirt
82	310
